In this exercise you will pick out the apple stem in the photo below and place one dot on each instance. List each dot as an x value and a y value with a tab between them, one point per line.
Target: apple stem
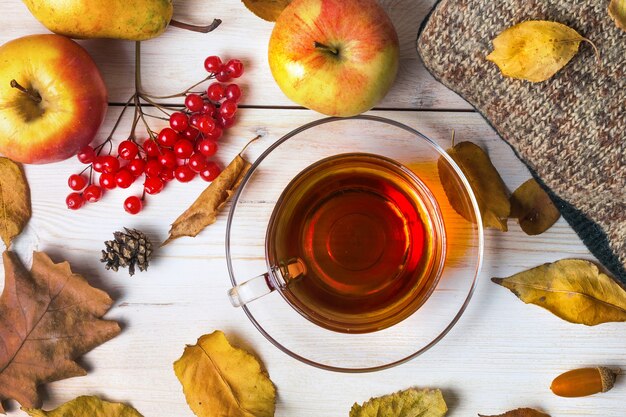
30	93
323	47
194	28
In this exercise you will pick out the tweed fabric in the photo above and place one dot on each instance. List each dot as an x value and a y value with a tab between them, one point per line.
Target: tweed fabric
569	130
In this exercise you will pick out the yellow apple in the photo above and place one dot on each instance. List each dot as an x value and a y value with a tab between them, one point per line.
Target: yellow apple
337	57
52	99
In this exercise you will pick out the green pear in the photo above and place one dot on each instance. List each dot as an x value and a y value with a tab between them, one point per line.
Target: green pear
135	20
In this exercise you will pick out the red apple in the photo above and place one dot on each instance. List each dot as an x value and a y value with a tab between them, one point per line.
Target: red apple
52	99
337	57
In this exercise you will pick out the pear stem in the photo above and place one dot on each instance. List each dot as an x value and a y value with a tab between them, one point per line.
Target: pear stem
33	95
194	28
319	45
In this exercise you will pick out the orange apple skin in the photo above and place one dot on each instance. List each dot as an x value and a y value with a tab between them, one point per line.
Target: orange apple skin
343	84
73	99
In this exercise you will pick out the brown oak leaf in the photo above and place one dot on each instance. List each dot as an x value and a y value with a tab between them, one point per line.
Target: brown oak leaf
48	318
15	207
520	412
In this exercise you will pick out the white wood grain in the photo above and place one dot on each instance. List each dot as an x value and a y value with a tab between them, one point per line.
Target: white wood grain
502	354
174	61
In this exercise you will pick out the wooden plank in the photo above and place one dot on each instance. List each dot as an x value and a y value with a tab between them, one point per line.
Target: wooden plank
501	355
175	61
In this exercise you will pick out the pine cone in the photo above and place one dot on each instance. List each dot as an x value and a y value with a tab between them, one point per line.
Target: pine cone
129	249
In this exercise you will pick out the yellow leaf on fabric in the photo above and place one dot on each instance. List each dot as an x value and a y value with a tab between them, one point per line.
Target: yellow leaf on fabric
533	208
220	380
267	9
573	289
15	207
86	406
409	403
489	189
617	11
534	50
521	412
203	212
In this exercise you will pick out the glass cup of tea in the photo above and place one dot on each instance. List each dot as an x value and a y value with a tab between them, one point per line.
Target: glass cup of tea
357	243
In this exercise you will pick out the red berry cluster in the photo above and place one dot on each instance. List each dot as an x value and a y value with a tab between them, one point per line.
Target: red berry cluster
182	150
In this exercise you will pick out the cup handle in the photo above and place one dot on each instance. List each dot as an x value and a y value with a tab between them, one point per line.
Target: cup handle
250	290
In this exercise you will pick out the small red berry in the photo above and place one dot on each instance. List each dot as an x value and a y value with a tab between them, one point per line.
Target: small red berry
107	181
215	92
167	175
184	174
194	119
179	121
127	150
206	124
197	162
215	134
223	76
133	205
211	171
98	164
167	137
207	147
86	155
151	148
77	182
234	68
153	168
226	123
110	164
124	178
92	193
153	185
136	166
74	201
208	108
228	109
190	133
168	159
194	102
233	92
213	63
183	149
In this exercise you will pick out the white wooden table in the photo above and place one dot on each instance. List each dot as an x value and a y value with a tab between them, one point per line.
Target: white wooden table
501	355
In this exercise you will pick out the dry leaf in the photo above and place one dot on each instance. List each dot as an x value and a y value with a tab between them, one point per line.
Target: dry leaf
48	318
14	200
534	209
534	50
617	11
489	189
86	407
408	403
203	211
233	381
521	412
267	9
573	289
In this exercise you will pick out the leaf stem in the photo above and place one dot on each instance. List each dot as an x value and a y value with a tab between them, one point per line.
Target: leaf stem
194	28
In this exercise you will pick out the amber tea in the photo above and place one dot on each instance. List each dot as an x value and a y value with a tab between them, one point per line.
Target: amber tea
357	241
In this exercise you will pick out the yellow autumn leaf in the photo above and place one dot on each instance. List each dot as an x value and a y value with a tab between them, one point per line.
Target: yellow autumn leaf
267	9
233	383
409	403
489	189
15	210
617	11
86	406
534	50
533	208
573	289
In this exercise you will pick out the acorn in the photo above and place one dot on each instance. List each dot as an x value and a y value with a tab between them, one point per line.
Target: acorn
583	382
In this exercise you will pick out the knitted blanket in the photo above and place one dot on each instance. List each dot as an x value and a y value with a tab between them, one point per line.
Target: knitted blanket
569	130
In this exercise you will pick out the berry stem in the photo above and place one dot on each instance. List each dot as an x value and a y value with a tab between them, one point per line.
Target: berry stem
182	93
194	28
32	94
